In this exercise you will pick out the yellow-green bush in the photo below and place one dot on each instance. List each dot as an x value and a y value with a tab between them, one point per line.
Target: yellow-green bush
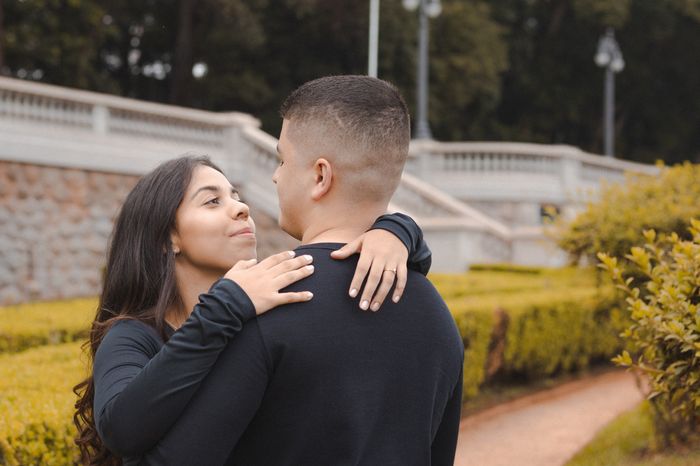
614	223
664	334
535	333
475	327
43	323
560	332
36	405
500	283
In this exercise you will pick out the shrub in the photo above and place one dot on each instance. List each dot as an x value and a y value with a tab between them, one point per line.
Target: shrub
476	327
665	332
501	283
535	333
36	402
42	323
614	224
561	332
506	268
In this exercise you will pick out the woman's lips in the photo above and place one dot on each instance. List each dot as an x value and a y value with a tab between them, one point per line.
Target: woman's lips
244	232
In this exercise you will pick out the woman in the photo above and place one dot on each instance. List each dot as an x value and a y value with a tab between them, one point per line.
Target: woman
179	231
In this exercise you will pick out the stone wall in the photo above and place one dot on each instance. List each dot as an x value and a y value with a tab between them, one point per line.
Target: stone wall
55	224
54	227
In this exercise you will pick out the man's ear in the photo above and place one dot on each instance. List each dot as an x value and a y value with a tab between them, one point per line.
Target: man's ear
323	179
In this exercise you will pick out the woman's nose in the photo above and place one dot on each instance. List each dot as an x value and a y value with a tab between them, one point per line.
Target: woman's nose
240	210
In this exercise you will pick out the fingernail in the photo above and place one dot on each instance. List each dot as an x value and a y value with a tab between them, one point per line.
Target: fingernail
395	299
375	307
308	258
309	295
353	293
292	253
310	268
364	305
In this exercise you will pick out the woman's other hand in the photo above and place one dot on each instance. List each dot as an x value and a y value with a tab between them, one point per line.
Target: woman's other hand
382	261
262	281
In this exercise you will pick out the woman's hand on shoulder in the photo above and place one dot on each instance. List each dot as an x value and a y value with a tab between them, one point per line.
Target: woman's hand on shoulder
263	280
382	261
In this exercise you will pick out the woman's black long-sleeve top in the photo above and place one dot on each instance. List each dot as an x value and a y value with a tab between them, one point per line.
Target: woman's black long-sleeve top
142	384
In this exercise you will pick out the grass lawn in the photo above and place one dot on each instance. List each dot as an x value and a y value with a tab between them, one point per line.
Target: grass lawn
625	442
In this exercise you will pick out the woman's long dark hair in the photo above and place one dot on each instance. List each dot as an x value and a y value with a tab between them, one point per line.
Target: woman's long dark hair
139	278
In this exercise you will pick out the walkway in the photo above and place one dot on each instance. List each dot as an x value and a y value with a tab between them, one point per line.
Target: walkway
547	428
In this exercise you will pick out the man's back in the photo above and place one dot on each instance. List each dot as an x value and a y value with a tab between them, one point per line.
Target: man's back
324	382
354	387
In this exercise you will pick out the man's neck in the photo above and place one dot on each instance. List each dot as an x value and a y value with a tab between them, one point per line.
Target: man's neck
341	226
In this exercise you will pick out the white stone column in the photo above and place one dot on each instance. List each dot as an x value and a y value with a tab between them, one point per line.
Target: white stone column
100	119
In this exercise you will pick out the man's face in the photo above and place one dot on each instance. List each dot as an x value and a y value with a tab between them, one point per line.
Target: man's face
293	178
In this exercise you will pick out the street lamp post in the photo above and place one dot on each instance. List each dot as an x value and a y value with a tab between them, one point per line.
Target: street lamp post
426	9
373	38
609	56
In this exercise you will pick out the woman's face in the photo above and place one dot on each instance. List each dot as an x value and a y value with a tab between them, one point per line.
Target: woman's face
213	228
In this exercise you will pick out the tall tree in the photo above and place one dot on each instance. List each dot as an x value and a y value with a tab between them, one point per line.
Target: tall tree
2	39
182	70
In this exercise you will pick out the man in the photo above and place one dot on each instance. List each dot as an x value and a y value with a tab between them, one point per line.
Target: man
323	383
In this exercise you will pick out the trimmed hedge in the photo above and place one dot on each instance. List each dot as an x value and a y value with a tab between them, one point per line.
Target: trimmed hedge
500	283
506	268
535	333
36	405
45	323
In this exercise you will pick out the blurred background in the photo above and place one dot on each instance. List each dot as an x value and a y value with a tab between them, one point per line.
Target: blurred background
507	70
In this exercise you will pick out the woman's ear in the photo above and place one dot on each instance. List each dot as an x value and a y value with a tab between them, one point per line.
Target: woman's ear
175	242
323	179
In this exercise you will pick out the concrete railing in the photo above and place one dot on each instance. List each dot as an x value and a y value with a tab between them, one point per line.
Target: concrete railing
104	132
546	173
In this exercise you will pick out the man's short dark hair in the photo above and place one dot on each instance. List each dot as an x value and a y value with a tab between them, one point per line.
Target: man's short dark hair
361	120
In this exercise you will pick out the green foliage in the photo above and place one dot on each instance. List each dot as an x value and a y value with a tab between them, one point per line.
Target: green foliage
529	325
56	41
44	323
561	332
665	333
476	327
36	405
468	57
614	223
506	268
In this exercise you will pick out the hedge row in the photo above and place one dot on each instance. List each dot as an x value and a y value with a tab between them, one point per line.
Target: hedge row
44	323
535	334
492	282
36	405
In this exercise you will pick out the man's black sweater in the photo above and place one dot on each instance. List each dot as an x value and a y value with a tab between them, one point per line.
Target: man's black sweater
324	383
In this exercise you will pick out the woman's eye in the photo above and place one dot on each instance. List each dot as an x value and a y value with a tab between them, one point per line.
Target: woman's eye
212	201
280	162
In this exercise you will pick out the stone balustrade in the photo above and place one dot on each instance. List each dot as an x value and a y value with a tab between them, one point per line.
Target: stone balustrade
53	126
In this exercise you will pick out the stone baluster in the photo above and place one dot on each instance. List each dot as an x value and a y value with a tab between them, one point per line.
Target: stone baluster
100	119
570	173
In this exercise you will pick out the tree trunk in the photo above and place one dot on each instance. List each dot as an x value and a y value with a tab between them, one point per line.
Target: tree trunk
182	68
2	39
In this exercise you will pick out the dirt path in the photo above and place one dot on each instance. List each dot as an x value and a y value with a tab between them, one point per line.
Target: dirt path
547	428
